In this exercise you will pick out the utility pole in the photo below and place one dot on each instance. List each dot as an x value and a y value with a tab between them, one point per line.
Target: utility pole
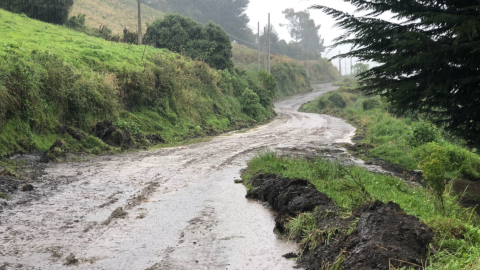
308	64
340	63
258	40
346	70
269	43
265	48
139	24
351	66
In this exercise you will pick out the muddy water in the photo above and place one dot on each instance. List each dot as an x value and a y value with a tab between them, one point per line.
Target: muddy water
183	209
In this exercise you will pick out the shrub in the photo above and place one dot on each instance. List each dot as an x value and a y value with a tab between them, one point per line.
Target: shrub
250	103
434	164
422	132
372	103
76	22
337	100
183	35
455	161
322	104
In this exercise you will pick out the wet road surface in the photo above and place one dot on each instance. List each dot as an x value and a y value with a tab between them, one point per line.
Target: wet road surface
181	207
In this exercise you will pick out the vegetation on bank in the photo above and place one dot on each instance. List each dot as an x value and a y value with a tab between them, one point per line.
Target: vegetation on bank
290	74
410	142
51	76
115	14
456	230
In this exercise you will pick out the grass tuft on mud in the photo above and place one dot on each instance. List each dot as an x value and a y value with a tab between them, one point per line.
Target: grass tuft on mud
456	233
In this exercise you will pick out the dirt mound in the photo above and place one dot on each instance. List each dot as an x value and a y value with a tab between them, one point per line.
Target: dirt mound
469	193
376	236
387	238
57	150
288	196
73	132
112	135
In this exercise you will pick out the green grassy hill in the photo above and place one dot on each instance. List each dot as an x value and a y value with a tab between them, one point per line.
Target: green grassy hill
51	76
115	14
290	74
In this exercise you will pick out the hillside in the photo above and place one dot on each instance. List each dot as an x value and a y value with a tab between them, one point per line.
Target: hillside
51	76
289	73
115	14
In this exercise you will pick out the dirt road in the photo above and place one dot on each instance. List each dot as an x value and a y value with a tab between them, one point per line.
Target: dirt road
181	209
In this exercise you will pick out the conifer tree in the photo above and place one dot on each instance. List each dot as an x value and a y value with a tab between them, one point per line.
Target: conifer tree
429	57
52	11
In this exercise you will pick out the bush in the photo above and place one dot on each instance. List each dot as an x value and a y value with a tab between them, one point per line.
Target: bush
422	132
372	103
250	103
52	11
76	22
322	104
183	35
456	161
337	101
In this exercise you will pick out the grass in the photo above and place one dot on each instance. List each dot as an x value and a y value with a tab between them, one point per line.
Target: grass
399	140
290	74
115	14
456	242
51	75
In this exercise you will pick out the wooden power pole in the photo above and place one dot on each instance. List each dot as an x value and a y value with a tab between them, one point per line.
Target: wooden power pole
258	40
307	58
139	24
265	48
340	63
269	30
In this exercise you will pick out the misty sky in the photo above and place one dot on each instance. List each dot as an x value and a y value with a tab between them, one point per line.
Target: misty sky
258	12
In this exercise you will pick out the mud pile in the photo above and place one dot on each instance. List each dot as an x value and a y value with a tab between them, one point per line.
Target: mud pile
384	236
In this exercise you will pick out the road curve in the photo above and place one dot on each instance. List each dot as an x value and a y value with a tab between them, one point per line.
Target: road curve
183	210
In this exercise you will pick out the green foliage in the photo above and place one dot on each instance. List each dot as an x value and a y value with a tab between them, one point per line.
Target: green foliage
360	68
456	242
51	76
303	30
453	161
397	140
337	101
52	11
428	65
422	132
76	22
179	34
372	103
230	15
250	103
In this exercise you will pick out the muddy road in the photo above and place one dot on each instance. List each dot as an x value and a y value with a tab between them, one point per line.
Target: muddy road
175	208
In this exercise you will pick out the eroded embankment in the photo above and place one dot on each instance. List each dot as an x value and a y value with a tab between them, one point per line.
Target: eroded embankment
374	236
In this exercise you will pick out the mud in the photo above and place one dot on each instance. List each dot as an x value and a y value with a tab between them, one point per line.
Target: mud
194	199
384	238
288	196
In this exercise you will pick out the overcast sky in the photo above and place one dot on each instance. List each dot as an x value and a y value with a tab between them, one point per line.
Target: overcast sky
258	12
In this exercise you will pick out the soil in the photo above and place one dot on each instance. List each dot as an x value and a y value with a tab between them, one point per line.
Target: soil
384	236
468	193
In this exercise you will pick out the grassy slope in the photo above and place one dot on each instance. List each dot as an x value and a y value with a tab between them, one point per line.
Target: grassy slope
289	73
115	14
456	244
95	66
401	141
